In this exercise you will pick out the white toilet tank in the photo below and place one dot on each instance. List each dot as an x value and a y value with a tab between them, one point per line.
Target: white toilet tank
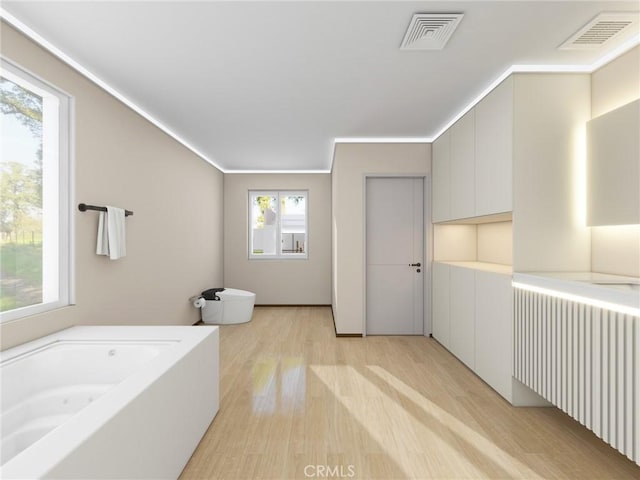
234	306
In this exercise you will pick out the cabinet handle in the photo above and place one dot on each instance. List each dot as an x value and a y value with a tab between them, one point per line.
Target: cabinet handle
414	264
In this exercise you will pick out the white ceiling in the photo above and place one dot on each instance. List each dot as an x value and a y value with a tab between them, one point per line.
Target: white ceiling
270	85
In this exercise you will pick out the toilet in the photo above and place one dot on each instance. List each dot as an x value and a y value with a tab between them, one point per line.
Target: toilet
234	306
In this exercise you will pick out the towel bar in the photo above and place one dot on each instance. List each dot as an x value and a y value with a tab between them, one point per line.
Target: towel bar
83	207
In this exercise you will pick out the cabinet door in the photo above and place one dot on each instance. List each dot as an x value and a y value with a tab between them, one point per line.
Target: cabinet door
441	179
440	303
463	167
461	311
493	338
494	152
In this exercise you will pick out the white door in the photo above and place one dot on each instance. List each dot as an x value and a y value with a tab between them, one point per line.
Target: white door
395	248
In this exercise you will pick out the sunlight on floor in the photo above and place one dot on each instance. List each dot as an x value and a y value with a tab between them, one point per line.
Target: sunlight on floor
463	432
413	446
278	385
437	442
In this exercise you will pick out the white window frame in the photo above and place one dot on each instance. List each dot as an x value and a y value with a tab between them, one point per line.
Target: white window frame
57	193
278	255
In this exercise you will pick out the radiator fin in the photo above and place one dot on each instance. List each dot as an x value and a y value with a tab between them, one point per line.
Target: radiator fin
583	359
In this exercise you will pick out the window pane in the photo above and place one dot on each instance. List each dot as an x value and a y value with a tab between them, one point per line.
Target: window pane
263	224
293	243
21	154
293	209
278	224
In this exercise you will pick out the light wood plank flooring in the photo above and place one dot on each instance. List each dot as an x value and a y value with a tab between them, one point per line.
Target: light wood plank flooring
297	402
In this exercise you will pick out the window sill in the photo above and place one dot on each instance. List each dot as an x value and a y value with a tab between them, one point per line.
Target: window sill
286	258
31	310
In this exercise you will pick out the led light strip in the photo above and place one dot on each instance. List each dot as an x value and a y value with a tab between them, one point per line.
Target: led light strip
297	172
624	47
382	140
101	83
513	69
635	312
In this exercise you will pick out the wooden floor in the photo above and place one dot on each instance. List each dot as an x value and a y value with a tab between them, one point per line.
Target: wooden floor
297	402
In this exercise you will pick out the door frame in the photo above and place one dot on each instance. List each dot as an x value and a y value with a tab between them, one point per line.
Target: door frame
427	245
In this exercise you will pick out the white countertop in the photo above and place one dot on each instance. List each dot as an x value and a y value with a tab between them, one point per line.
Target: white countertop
484	266
613	289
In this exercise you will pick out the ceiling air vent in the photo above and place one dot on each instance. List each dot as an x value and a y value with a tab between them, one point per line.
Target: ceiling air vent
430	31
601	30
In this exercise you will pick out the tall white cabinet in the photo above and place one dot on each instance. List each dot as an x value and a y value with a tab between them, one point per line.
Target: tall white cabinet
461	314
441	317
494	330
472	161
441	177
510	161
493	151
462	167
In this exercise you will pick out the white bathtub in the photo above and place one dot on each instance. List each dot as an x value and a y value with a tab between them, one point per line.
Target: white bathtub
108	402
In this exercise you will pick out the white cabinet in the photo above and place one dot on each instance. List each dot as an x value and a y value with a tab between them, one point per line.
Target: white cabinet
461	314
441	178
462	171
473	319
613	167
494	151
515	152
440	303
478	149
493	327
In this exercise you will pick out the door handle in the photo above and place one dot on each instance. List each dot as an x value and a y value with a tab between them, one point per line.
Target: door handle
414	264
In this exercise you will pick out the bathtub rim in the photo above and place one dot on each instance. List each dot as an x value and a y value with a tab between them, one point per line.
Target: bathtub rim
63	342
52	449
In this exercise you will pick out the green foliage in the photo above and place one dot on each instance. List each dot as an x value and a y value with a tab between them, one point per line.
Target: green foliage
23	260
21	281
20	195
21	205
7	303
25	105
263	202
21	186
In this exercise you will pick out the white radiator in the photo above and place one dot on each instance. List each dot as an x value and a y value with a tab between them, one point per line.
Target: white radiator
583	359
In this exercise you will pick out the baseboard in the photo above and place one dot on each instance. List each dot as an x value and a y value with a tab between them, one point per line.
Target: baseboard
292	305
344	335
314	305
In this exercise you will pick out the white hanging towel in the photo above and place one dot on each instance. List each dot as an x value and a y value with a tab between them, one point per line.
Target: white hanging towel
117	237
111	233
102	246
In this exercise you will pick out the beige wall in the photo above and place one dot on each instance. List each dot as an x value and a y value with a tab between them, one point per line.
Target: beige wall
495	243
486	242
279	282
616	250
174	240
352	162
549	225
455	243
616	84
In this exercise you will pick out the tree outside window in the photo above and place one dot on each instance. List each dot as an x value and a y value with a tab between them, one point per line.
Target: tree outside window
35	191
20	196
